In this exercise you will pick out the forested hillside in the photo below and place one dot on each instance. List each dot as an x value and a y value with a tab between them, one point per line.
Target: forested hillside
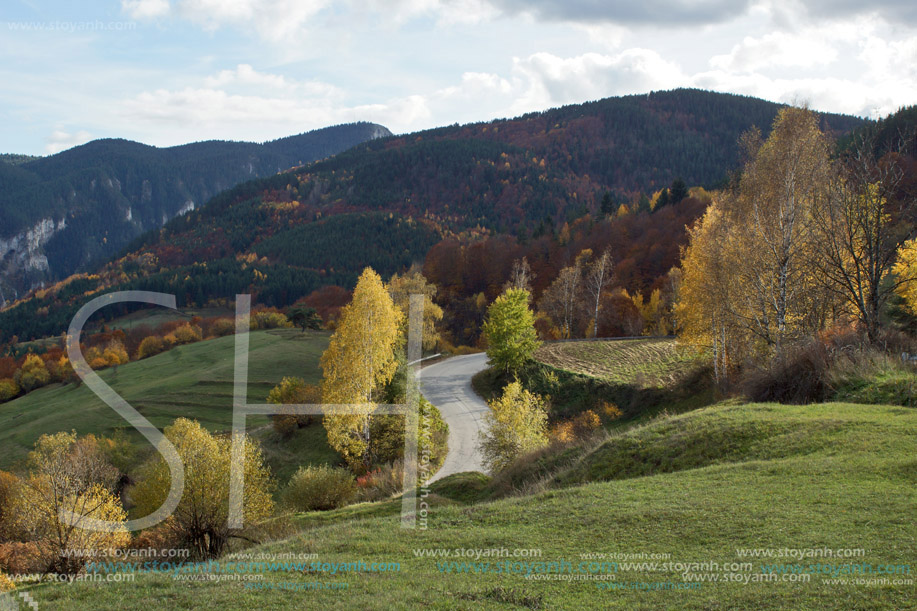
15	159
67	212
544	186
633	143
510	175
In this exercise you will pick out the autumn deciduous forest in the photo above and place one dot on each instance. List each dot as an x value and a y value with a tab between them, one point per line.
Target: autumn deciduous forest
807	240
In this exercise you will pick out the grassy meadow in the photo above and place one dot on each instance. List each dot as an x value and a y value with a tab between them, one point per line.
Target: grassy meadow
695	487
191	381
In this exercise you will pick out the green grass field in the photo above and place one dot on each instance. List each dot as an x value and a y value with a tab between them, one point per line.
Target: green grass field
645	363
192	381
154	317
696	487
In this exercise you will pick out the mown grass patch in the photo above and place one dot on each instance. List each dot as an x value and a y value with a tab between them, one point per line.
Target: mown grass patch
644	363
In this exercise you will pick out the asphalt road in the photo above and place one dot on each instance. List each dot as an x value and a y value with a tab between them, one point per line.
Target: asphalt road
447	385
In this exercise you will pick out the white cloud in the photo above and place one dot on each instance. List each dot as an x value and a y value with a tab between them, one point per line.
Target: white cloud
833	94
605	35
246	104
146	9
60	140
477	85
890	59
245	74
555	80
465	11
777	50
543	80
444	12
284	22
245	77
415	64
214	13
279	21
398	114
902	12
858	65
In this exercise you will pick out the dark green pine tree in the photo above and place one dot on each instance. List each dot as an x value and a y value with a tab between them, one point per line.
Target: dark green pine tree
643	204
679	191
608	204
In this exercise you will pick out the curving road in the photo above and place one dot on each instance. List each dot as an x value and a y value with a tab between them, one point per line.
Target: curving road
447	385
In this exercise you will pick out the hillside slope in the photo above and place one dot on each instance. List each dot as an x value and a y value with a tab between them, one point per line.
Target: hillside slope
193	381
846	482
61	213
387	202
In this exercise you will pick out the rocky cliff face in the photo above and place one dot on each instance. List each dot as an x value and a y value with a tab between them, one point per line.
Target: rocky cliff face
23	264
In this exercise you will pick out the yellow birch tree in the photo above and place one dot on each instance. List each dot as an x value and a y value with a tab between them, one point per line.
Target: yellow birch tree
359	360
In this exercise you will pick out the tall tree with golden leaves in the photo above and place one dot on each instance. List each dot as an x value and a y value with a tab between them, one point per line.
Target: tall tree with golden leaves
781	186
706	316
750	284
359	360
413	282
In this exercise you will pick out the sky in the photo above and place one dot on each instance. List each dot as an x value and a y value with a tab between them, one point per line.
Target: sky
167	72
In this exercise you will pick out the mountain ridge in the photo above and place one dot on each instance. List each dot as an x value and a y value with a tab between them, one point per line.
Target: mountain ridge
98	196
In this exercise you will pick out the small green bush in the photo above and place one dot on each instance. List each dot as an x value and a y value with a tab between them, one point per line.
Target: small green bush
516	424
850	371
874	378
797	377
320	488
387	438
17	557
292	391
